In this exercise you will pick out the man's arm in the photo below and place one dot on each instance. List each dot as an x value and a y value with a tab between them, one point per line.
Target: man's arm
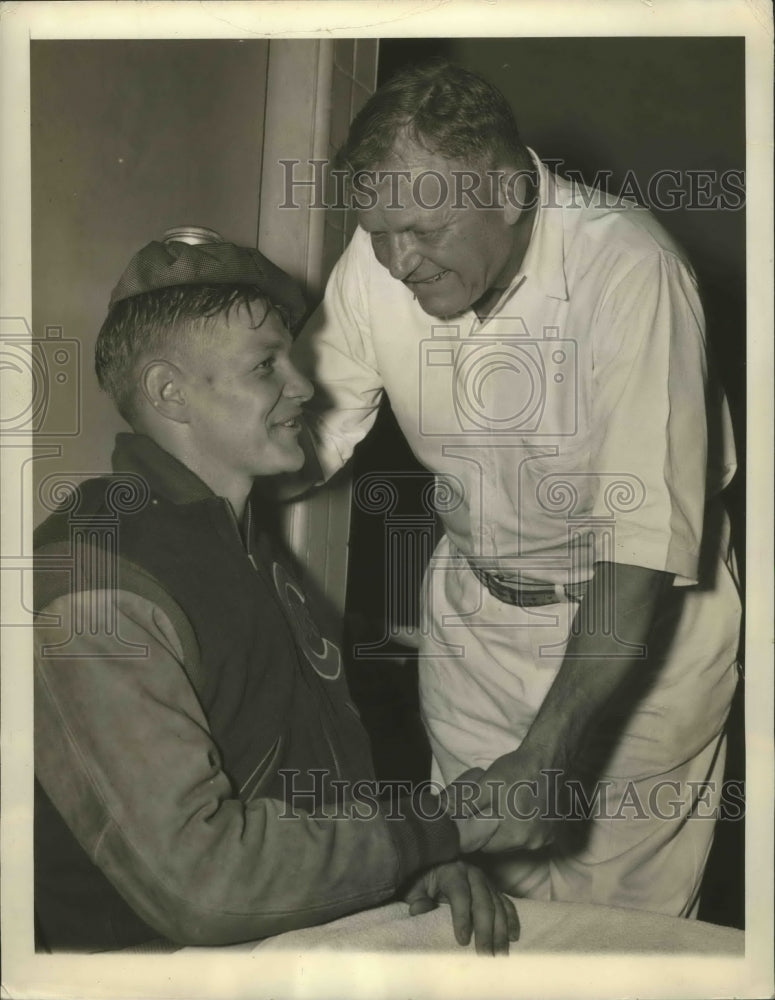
598	675
335	351
124	753
648	399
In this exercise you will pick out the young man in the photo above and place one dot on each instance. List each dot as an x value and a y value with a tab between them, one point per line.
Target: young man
196	747
543	349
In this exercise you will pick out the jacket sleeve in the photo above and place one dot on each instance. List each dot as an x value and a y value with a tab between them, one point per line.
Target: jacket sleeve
123	750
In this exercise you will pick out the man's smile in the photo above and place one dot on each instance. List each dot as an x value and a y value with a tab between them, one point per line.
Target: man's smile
293	421
426	281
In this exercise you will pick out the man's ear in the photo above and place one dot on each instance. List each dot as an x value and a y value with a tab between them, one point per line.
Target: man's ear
164	387
517	193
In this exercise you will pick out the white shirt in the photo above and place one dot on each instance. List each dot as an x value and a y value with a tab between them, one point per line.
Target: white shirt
577	407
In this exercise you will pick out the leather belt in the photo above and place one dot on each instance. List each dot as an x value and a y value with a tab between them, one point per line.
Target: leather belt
532	595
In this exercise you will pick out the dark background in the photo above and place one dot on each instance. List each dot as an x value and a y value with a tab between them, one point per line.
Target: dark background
618	104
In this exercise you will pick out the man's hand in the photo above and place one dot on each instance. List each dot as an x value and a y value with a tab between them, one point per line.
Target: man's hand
476	906
603	671
529	800
511	806
461	799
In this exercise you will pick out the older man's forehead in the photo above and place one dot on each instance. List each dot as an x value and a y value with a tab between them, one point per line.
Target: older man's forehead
415	179
411	156
402	215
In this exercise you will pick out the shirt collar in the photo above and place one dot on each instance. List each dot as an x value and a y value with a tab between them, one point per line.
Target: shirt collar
166	476
545	257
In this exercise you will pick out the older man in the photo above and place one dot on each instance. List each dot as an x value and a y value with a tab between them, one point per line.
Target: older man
544	354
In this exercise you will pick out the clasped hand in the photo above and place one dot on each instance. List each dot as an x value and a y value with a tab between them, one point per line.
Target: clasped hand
513	805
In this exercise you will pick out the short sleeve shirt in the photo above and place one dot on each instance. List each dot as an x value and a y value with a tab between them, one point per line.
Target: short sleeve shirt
571	425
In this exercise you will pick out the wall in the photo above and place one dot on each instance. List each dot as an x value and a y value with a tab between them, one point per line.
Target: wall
128	139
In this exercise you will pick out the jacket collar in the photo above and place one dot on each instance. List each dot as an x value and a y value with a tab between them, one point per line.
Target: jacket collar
166	476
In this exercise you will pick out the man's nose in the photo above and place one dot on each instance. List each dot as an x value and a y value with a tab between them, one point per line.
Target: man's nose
403	257
297	386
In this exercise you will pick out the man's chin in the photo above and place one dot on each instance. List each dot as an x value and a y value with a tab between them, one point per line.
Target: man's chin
441	310
285	465
292	462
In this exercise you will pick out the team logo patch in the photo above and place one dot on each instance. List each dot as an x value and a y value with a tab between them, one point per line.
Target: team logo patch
323	656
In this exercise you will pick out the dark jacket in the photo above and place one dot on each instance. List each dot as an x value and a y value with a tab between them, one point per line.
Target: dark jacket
166	775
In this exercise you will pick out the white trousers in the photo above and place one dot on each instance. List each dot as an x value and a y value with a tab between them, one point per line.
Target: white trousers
485	668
